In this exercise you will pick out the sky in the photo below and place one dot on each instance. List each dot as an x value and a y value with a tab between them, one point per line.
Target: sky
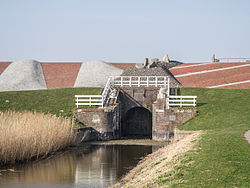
123	31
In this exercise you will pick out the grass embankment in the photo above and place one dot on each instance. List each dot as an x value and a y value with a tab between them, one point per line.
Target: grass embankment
29	135
60	102
221	158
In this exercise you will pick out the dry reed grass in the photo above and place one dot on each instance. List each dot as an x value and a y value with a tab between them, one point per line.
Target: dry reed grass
28	135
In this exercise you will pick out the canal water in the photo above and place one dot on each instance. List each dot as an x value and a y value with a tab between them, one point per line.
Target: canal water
88	166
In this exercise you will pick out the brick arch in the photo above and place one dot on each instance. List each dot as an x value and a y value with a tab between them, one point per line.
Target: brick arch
137	123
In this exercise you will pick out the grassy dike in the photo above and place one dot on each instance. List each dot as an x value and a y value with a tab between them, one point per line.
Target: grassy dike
222	158
60	102
218	157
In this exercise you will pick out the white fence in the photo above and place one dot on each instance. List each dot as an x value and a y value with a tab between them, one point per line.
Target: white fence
89	100
94	100
130	81
180	101
141	81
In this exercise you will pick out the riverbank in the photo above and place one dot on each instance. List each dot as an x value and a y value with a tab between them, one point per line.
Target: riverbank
142	142
220	157
29	135
148	172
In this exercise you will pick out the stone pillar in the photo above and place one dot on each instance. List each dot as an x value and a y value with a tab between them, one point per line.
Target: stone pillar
213	58
166	58
161	129
145	62
104	121
164	121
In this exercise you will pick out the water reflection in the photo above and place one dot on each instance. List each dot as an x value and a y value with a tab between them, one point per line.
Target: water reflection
89	166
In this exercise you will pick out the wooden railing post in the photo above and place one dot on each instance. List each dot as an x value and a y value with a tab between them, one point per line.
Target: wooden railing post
168	86
102	101
168	99
77	102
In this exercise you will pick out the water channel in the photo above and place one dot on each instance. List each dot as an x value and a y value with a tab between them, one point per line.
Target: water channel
88	166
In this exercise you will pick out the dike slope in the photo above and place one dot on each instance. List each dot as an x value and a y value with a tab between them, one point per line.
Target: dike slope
23	75
96	74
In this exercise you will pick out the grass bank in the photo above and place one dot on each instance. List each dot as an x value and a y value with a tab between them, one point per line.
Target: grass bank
27	135
60	102
220	158
158	163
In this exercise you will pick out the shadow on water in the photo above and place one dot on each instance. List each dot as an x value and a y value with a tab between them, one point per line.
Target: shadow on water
88	166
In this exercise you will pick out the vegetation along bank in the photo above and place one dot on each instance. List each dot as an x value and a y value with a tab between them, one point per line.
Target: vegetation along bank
217	158
34	124
30	135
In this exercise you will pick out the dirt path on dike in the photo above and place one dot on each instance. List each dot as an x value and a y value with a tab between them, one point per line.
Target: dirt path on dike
159	162
143	142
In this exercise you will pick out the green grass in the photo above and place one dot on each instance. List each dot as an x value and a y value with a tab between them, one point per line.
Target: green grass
222	156
60	102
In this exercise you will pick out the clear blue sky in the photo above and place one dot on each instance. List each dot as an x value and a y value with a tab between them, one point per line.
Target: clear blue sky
123	31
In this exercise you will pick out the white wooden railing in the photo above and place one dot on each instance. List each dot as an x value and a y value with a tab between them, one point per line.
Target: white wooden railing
121	81
180	101
94	100
106	91
89	100
141	81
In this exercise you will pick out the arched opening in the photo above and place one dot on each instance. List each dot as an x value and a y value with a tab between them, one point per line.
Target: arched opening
137	123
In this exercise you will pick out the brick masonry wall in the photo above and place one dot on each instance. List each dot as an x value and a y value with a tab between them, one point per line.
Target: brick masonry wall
136	97
145	97
106	121
165	120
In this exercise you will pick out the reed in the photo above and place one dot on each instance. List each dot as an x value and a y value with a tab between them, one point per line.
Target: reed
28	135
